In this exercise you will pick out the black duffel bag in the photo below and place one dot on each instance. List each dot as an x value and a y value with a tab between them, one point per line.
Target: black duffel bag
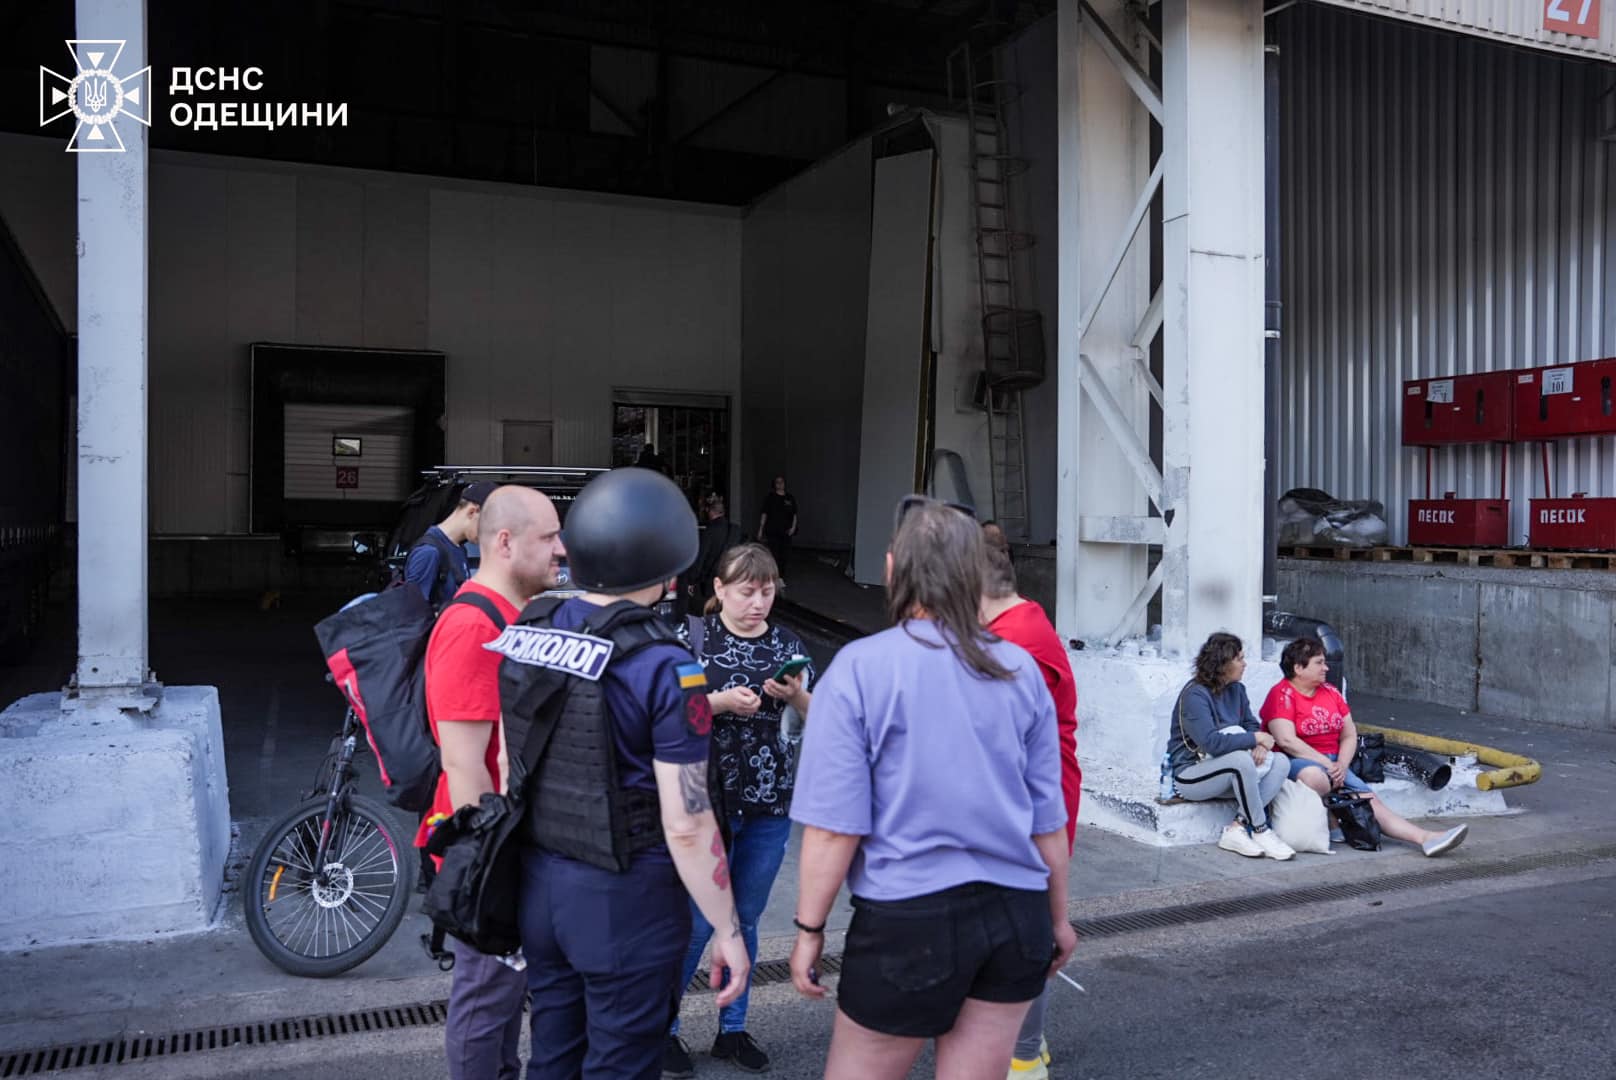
1356	818
1369	761
474	895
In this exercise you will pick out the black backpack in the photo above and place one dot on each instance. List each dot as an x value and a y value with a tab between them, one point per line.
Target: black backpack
376	650
442	589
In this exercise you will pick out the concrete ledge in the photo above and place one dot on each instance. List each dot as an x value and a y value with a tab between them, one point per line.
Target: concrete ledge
118	825
1537	645
1125	708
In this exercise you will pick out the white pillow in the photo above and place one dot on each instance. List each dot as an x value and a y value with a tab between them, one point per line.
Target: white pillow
1297	817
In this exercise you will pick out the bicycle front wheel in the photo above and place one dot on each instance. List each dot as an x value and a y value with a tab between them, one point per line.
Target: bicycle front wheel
317	921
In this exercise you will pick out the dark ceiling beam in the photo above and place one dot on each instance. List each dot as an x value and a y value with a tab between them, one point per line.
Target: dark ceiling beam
730	106
696	47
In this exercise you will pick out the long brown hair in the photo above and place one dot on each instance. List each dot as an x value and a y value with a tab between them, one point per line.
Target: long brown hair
744	562
937	567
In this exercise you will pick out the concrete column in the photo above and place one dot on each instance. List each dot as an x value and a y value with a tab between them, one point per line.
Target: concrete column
1212	90
1103	139
112	382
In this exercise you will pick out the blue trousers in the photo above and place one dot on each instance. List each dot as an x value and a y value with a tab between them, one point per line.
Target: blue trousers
755	855
603	952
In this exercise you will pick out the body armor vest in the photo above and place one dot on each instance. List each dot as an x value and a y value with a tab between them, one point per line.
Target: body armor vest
550	691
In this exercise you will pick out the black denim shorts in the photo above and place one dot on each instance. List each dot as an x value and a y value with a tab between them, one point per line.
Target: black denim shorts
909	965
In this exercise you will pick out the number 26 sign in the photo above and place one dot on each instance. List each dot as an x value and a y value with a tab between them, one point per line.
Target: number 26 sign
1580	17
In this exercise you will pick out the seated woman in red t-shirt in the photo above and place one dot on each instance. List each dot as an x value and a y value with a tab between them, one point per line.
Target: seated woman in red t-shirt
1311	723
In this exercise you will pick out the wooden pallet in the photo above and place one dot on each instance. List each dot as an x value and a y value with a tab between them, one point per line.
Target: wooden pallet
1500	557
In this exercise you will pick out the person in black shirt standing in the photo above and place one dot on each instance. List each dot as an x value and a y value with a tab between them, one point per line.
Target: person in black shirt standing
757	729
718	536
779	523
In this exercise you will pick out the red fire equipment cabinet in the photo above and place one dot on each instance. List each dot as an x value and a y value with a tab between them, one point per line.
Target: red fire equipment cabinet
1574	524
1564	401
1452	522
1459	409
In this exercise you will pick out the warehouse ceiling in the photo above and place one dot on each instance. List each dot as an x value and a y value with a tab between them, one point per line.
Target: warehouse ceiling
706	100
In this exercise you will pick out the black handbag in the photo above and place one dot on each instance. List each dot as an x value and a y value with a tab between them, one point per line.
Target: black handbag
1369	761
1352	812
474	895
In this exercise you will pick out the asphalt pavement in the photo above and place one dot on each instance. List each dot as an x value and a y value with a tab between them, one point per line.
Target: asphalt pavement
1505	964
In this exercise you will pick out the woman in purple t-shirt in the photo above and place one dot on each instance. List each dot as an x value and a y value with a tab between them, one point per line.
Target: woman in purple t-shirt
930	782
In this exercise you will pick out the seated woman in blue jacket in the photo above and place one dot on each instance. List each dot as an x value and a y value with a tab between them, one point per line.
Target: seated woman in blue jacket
1216	749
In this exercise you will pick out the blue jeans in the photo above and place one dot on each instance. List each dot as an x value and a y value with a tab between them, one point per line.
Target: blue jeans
1351	783
755	855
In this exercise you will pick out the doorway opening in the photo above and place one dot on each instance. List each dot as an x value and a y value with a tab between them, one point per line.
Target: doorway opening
684	436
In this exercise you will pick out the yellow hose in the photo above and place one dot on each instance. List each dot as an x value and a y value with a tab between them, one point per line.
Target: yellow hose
1512	770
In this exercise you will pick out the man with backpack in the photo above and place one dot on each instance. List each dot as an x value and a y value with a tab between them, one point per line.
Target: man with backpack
519	534
437	563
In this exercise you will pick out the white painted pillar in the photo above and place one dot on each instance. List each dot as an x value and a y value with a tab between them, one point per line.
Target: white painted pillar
1212	89
1103	140
112	380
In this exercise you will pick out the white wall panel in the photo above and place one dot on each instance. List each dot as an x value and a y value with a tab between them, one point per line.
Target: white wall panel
542	300
1447	208
805	291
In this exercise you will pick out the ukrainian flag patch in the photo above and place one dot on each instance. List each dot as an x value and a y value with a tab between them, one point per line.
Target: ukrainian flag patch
691	676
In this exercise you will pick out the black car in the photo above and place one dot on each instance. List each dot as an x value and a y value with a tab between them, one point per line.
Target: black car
438	493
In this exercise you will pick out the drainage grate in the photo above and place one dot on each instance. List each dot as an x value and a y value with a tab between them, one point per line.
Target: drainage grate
126	1049
131	1048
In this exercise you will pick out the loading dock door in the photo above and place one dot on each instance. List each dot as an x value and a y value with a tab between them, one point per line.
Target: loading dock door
348	452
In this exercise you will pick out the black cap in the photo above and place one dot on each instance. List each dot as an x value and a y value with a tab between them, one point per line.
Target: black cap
477	491
629	529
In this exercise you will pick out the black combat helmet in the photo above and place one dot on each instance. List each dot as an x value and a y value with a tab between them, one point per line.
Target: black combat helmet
629	529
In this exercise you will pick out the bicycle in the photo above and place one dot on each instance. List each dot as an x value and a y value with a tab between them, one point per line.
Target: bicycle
328	883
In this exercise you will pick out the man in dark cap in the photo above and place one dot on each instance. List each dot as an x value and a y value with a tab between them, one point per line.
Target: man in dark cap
437	562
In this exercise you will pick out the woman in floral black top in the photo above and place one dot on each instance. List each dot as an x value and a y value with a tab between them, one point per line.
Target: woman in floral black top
757	730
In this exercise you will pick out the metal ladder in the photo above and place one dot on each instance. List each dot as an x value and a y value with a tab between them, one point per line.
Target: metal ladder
985	95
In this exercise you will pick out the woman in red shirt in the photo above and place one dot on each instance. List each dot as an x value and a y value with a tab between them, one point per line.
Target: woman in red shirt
1311	723
1020	621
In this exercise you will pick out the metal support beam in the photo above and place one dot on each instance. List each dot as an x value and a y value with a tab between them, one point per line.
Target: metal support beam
1127	437
1136	217
1122	530
1106	476
1212	239
1136	610
1143	86
112	522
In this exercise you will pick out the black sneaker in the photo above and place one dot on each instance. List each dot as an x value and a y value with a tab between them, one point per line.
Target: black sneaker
676	1063
737	1048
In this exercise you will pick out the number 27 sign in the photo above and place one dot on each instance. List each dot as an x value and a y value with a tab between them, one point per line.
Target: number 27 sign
1580	17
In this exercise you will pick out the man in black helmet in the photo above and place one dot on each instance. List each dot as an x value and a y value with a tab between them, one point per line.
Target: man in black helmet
610	713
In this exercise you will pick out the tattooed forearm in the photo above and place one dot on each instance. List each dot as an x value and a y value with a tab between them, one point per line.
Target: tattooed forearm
721	871
693	787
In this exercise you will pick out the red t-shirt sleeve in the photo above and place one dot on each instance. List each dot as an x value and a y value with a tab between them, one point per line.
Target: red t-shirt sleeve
1278	705
462	676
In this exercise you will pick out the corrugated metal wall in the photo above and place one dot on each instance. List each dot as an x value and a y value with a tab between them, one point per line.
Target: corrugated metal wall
1519	22
1447	208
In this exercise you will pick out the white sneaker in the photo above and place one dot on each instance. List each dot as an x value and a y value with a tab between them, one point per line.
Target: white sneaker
1236	839
1272	846
1446	842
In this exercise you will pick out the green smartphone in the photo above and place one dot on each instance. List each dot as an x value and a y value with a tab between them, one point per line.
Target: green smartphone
791	667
